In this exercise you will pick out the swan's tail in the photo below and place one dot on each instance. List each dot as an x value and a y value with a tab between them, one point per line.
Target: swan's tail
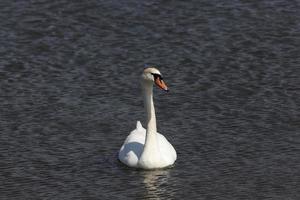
139	125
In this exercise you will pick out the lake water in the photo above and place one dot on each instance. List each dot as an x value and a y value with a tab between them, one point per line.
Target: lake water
70	94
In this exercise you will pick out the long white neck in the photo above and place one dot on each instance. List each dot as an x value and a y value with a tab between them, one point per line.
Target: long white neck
151	154
149	106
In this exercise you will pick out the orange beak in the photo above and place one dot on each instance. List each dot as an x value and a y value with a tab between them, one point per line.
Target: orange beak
160	83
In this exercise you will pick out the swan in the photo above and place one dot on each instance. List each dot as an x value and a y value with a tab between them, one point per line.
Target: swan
148	149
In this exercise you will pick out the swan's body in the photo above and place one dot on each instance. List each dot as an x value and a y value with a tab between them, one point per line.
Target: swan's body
132	149
143	148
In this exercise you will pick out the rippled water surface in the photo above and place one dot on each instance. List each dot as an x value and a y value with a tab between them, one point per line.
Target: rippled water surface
70	94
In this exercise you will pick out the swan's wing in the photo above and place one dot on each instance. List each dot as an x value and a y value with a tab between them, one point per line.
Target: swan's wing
167	150
133	146
137	135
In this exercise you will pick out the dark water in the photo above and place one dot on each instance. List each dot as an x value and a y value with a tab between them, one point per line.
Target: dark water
70	94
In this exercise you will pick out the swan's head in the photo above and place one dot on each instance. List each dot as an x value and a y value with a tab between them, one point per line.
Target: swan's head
152	74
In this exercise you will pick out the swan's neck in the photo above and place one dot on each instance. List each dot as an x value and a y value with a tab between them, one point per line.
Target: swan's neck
150	156
149	106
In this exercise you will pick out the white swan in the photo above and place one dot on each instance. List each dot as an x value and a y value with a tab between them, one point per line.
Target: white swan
148	149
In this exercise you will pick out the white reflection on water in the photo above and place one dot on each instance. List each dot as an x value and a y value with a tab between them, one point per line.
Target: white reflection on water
156	183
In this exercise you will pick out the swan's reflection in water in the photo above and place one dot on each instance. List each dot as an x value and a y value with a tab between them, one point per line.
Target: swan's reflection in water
157	184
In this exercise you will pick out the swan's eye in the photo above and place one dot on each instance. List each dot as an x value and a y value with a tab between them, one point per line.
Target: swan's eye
157	76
